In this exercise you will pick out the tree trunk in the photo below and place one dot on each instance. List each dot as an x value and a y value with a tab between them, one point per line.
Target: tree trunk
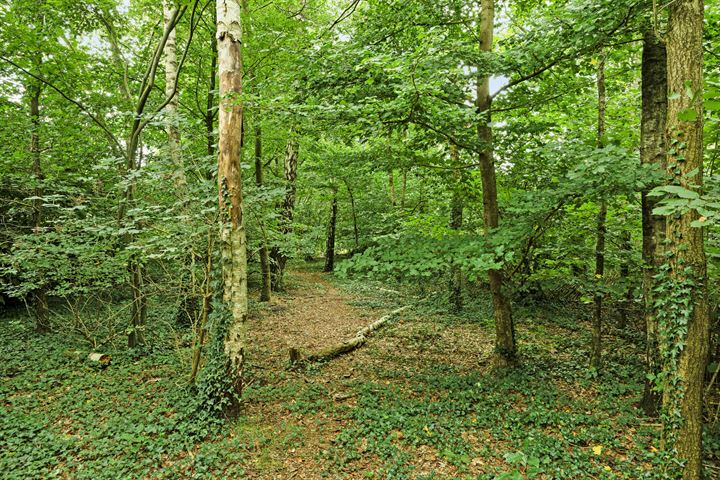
456	221
171	123
265	292
652	151
391	187
188	308
596	352
136	335
354	217
684	321
232	227
279	258
330	243
505	354
209	110
626	302
42	314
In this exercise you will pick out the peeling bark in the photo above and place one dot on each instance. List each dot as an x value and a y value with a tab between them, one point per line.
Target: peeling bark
232	227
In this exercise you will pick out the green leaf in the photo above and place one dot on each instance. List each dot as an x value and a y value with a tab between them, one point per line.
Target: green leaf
687	115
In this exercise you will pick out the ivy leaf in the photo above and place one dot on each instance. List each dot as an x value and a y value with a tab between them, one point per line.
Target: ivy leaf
687	115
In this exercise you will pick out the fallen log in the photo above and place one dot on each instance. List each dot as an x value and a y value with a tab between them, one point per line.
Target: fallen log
296	358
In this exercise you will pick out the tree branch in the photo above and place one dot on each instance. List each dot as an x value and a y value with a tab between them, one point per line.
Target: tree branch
115	144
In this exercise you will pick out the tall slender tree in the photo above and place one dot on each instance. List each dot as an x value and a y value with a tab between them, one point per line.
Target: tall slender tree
456	222
265	291
596	352
171	109
40	301
504	329
330	240
278	256
652	152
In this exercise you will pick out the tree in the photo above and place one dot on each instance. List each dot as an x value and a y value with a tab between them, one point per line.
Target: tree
504	328
683	318
278	256
42	314
652	152
456	222
601	227
331	226
265	271
230	197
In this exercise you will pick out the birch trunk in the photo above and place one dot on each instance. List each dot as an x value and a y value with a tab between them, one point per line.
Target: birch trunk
232	227
171	125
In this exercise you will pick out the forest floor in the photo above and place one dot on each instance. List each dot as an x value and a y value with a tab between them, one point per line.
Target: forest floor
418	401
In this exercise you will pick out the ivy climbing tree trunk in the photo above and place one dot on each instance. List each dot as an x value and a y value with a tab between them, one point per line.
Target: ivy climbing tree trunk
684	319
652	152
230	197
265	291
278	257
504	329
39	295
456	221
596	352
330	241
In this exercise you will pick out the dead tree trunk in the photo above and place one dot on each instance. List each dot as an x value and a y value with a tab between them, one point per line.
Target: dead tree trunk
347	346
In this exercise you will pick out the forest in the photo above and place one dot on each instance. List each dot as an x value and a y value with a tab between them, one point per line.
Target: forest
360	239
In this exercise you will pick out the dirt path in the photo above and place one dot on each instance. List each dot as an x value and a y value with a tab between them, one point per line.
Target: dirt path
295	421
311	316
